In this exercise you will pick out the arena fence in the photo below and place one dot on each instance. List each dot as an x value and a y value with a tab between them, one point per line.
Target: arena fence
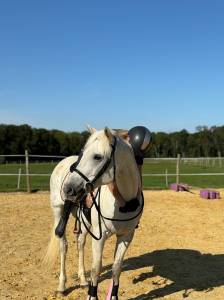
29	172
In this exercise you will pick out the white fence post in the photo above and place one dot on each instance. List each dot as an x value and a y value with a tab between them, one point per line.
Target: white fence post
19	177
178	169
166	175
220	159
27	172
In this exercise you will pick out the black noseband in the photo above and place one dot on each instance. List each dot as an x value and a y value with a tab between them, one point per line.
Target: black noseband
73	166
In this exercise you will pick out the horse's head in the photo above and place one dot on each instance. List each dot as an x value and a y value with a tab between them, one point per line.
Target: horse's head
104	159
95	164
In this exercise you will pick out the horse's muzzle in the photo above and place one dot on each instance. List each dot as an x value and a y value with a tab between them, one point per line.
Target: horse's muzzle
69	190
73	194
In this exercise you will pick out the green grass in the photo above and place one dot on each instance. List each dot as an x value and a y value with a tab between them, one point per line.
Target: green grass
9	183
160	167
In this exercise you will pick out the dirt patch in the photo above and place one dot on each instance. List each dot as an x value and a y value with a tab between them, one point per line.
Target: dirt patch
177	252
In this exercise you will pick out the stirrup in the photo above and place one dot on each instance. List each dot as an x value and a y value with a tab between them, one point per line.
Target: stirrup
60	229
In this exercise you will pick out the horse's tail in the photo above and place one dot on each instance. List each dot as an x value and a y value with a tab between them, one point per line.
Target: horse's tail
52	250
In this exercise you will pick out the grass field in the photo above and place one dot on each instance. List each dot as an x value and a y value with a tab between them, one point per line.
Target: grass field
188	167
9	183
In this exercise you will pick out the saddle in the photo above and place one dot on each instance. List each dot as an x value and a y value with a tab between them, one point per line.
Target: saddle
130	206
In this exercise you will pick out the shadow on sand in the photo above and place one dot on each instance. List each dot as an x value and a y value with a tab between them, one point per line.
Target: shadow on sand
189	270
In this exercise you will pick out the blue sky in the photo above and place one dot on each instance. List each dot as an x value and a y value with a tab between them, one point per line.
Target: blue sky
64	64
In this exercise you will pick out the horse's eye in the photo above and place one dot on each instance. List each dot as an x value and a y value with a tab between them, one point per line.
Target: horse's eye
98	157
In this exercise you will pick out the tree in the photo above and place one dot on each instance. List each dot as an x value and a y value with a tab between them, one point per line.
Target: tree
204	142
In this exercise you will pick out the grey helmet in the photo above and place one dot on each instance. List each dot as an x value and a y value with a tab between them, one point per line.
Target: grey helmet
140	138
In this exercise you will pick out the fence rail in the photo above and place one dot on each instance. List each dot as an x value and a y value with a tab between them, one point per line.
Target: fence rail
183	158
157	171
24	174
32	155
184	174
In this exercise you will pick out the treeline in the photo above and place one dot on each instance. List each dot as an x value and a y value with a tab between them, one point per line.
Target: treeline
15	139
203	142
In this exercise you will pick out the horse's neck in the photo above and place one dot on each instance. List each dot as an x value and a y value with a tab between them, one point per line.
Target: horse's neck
128	181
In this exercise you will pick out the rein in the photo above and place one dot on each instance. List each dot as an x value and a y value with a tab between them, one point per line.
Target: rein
99	219
101	216
115	219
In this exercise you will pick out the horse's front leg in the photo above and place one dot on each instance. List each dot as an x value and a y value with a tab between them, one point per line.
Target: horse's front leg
63	250
97	250
81	240
122	245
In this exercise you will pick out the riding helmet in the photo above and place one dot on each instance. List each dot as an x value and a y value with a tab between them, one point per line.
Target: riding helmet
140	138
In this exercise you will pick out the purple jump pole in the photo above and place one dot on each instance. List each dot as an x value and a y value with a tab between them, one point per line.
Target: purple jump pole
179	187
174	187
209	194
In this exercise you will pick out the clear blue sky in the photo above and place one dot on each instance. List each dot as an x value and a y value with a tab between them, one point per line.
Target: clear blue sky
112	63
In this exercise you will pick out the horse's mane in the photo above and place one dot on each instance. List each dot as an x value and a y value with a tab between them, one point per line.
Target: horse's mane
122	133
103	142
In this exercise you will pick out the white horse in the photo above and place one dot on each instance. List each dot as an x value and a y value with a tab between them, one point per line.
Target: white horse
106	158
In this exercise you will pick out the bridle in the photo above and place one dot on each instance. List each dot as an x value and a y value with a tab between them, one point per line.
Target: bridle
89	188
90	184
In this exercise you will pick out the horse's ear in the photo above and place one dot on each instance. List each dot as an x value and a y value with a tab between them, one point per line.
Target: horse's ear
90	129
109	134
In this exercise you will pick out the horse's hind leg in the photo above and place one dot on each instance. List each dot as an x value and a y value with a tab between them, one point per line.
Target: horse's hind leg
122	245
81	240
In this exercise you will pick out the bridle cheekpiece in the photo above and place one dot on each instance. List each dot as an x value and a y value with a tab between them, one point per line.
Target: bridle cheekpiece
90	184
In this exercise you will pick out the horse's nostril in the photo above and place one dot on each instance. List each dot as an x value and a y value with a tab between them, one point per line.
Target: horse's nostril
69	190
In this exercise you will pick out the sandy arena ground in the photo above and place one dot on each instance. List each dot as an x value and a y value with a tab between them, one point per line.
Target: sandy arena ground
177	252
